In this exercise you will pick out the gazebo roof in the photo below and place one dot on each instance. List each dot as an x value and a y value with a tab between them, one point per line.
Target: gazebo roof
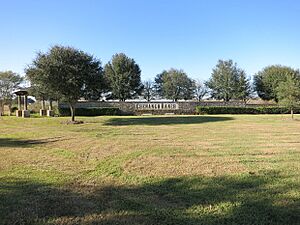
21	92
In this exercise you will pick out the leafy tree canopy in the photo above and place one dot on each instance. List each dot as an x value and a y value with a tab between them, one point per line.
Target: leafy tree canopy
288	92
267	80
175	84
244	89
9	82
158	83
123	76
68	72
228	81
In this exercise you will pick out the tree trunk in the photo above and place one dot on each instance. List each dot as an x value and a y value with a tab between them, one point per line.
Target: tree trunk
43	103
72	109
50	104
1	108
292	113
9	109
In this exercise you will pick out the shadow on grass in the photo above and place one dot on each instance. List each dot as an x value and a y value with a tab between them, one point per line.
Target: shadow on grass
156	120
20	143
195	200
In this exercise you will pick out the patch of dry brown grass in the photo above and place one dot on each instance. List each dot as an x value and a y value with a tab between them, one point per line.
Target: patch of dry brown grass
177	166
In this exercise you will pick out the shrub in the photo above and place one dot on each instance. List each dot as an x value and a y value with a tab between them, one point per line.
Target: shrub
243	110
90	111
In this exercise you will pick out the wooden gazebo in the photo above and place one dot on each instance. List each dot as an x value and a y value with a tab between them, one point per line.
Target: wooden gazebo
22	94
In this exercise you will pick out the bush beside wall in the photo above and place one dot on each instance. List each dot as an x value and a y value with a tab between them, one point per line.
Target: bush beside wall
243	110
91	111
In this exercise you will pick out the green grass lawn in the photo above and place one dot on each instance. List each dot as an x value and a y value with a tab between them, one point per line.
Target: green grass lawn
150	170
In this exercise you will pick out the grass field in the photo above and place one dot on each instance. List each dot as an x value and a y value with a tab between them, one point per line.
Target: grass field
150	170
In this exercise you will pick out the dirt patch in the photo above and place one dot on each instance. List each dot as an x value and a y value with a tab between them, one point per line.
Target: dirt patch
72	122
176	165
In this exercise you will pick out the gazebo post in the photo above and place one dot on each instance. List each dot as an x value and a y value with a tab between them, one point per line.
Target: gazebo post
19	110
19	102
25	112
43	109
25	102
50	112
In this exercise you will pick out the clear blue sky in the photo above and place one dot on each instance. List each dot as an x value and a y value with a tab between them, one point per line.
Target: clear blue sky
159	34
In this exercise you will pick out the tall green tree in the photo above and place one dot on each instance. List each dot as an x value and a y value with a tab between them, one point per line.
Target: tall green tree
244	89
9	82
224	81
175	84
123	76
68	72
267	80
288	92
158	83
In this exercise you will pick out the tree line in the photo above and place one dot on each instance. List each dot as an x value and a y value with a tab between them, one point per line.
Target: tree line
68	74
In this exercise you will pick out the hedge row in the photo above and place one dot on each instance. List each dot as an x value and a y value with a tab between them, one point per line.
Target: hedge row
90	111
243	110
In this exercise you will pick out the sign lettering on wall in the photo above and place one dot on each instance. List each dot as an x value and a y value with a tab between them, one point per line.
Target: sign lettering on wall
156	106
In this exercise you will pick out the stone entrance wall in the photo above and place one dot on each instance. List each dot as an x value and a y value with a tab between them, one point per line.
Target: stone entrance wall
138	108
